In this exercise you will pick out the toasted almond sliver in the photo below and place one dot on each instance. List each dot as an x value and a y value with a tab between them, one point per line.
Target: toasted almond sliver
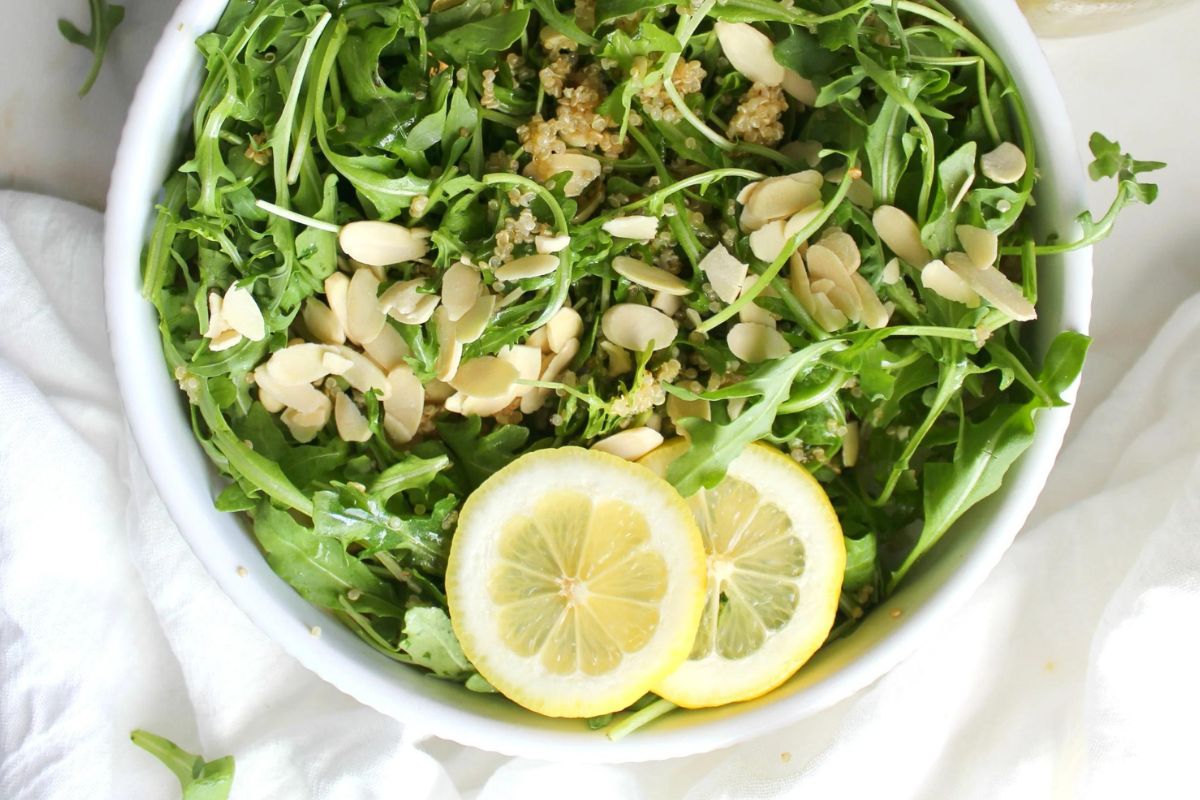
750	52
216	321
982	245
243	314
637	227
649	276
777	198
799	87
753	343
536	398
891	271
486	377
743	196
667	303
449	347
850	445
724	272
637	327
302	397
364	319
583	169
351	424
619	361
224	340
1005	164
528	363
678	408
991	284
899	232
378	244
630	444
337	285
767	242
551	244
939	278
527	267
565	325
823	263
298	364
388	350
305	425
363	373
322	323
460	289
405	402
475	322
874	314
844	247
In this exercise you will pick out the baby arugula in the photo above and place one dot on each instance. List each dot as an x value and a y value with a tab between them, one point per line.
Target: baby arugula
105	19
199	779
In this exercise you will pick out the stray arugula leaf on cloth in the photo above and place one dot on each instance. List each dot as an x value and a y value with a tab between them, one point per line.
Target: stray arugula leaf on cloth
105	19
199	779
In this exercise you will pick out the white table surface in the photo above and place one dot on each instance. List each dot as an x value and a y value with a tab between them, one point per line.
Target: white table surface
1136	85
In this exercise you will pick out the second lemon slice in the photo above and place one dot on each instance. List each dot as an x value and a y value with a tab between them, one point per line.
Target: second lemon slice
576	581
776	559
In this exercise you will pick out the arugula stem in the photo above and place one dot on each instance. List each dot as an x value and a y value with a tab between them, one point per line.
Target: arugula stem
687	26
701	178
619	729
1102	230
794	405
293	216
281	138
799	312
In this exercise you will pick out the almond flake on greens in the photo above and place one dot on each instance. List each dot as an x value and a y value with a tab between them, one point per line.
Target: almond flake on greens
874	313
583	169
349	420
752	343
485	377
667	303
472	324
767	242
322	323
460	289
528	363
527	267
782	196
216	322
750	51
449	348
243	314
899	232
843	246
938	277
302	397
299	364
637	227
388	350
617	359
380	244
337	285
404	406
304	426
636	327
1005	164
823	263
630	444
981	245
406	303
565	325
363	373
724	272
799	87
551	244
536	398
991	284
651	277
364	319
224	340
678	408
891	271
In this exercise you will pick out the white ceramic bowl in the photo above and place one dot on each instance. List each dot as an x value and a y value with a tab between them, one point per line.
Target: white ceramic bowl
187	482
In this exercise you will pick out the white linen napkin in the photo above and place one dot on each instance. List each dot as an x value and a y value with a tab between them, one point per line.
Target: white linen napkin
1070	674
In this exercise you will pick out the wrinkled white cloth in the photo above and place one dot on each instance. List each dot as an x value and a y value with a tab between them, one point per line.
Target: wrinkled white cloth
1071	673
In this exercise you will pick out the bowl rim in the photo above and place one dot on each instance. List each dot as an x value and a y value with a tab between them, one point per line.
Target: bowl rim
151	400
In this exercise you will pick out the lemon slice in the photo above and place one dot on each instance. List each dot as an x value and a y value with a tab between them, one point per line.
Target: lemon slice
576	581
775	564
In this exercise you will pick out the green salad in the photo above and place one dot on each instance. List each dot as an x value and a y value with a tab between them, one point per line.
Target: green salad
408	242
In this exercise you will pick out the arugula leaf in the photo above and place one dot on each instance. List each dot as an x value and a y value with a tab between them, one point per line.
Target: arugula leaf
199	779
478	456
430	642
490	34
105	19
860	563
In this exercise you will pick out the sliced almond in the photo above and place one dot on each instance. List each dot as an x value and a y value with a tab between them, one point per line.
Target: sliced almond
752	343
305	425
844	247
801	219
1005	164
767	242
475	322
388	350
243	314
336	364
437	392
378	244
826	314
536	398
528	363
404	405
649	276
551	244
891	271
678	408
528	267
991	284
750	52
402	296
752	312
299	364
850	445
397	432
565	325
619	361
322	323
364	319
539	340
743	196
630	444
939	278
637	227
776	198
982	245
216	322
636	327
449	347
724	272
900	233
583	169
224	340
460	289
337	286
799	283
861	194
874	314
799	87
824	263
734	407
363	374
302	397
466	405
667	303
351	424
486	377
